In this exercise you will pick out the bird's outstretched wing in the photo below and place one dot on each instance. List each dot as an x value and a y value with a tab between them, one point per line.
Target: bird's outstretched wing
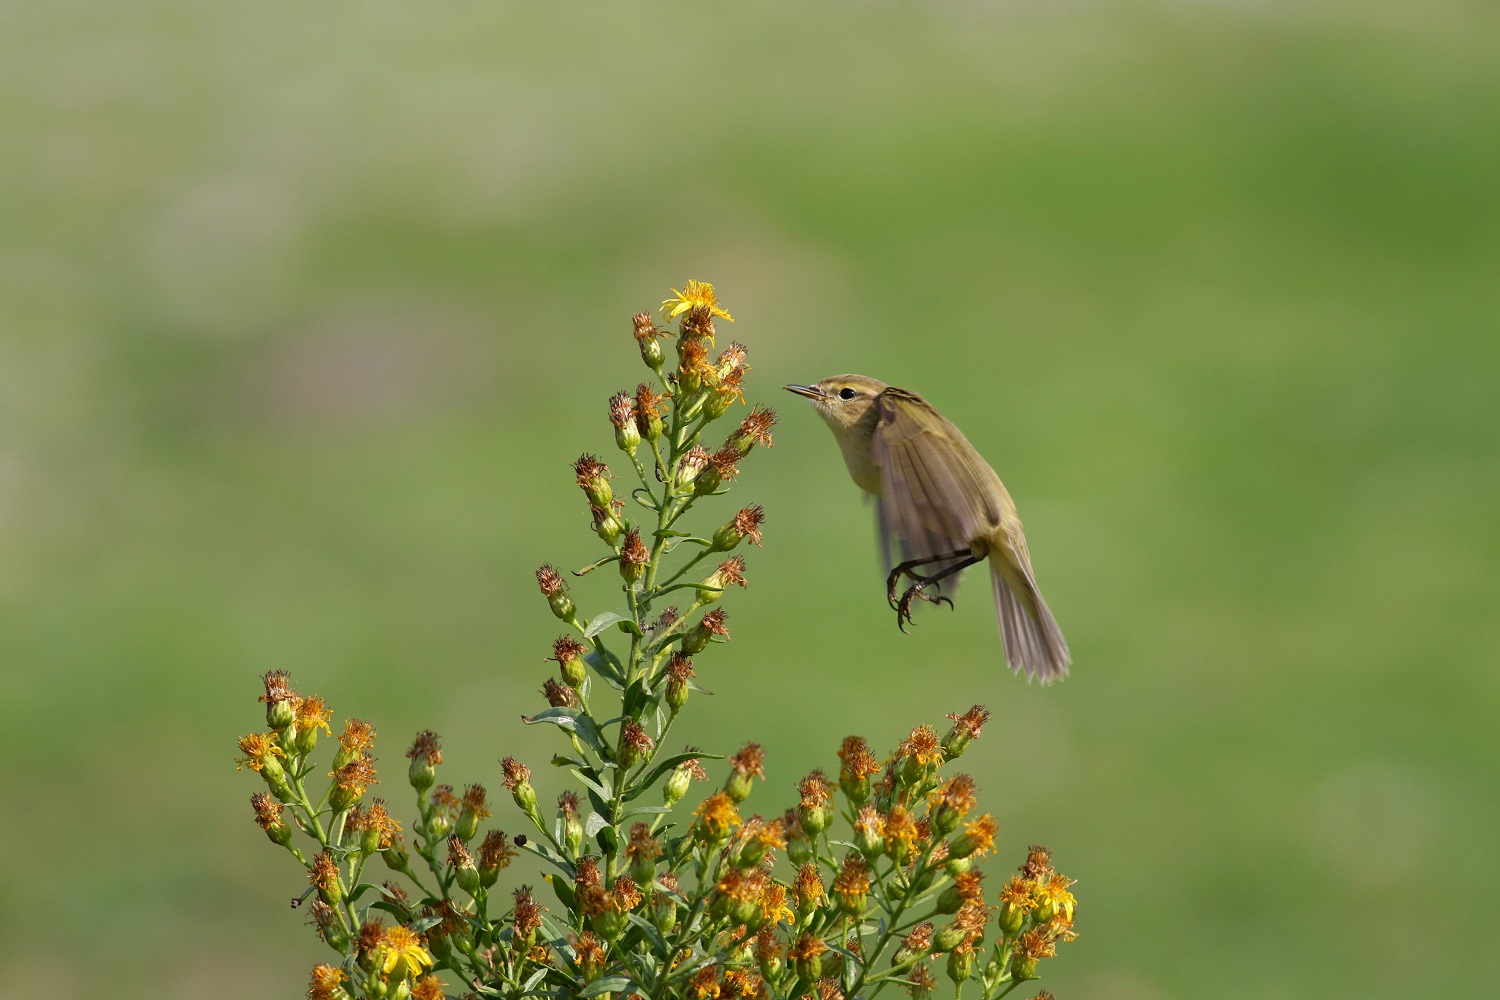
934	486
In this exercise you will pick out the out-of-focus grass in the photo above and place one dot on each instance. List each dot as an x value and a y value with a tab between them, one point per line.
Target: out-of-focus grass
304	310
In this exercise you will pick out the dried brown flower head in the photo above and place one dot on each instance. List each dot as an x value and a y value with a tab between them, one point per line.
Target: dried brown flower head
724	462
426	748
528	914
355	776
324	873
748	521
715	620
443	799
634	552
1038	865
645	328
717	816
971	722
756	427
749	761
549	580
568	803
325	982
496	851
458	854
588	872
621	409
267	810
516	773
428	988
278	687
558	694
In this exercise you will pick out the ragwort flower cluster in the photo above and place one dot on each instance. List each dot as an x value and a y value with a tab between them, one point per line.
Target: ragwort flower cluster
651	893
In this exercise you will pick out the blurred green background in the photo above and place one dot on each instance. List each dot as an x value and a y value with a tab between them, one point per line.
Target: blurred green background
305	309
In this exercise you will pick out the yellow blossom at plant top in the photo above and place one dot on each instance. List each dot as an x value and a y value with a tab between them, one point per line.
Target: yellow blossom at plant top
314	713
1055	892
717	815
694	293
404	953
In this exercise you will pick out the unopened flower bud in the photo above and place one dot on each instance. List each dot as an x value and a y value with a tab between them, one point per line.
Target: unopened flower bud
396	856
1022	966
965	728
807	957
960	964
677	784
518	781
606	525
950	937
556	592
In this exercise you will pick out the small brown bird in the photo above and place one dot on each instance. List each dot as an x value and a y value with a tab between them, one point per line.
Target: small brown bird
939	502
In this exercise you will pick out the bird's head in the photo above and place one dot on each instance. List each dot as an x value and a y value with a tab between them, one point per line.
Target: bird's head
843	401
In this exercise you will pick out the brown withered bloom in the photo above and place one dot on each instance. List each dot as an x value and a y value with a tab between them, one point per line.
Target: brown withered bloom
443	799
568	802
427	988
828	989
566	649
324	873
666	619
923	982
647	405
278	687
749	761
693	765
645	328
919	939
732	358
815	790
724	461
857	760
869	824
621	409
679	668
355	776
634	552
558	694
971	918
1036	944
747	522
692	362
371	933
267	810
549	580
767	946
1038	864
516	773
633	735
324	921
957	793
853	879
642	845
528	914
590	471
473	800
426	748
732	571
396	894
358	736
971	722
458	854
741	983
496	850
714	622
587	872
970	886
756	427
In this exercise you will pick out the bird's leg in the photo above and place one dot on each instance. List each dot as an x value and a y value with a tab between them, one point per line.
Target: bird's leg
903	609
909	568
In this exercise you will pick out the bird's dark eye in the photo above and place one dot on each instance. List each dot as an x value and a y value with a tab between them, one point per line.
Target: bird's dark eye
846	393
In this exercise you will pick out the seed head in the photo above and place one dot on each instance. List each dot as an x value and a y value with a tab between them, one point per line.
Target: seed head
558	694
635	745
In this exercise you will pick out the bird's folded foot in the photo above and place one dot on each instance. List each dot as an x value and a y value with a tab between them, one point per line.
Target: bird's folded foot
904	606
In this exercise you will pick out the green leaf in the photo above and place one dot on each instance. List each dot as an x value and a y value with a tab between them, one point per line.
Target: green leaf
602	622
646	811
606	669
541	850
609	984
662	767
594	824
573	720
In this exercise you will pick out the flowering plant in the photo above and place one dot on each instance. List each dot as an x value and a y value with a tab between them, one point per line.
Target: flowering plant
881	872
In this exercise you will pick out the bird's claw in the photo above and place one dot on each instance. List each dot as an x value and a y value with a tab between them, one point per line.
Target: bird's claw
914	593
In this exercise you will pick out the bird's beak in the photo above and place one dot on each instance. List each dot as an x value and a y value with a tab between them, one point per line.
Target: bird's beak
810	391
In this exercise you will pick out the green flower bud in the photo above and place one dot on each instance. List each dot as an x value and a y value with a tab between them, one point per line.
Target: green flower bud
607	526
622	415
690	466
799	849
814	818
949	937
1022	966
677	784
708	481
960	964
438	826
664	914
396	857
1011	919
651	353
957	866
738	786
280	714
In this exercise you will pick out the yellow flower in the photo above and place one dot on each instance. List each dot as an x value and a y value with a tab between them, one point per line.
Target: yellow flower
694	293
259	748
405	954
1056	895
326	983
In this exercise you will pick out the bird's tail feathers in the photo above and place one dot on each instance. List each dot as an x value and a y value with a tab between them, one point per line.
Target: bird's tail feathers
1029	634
